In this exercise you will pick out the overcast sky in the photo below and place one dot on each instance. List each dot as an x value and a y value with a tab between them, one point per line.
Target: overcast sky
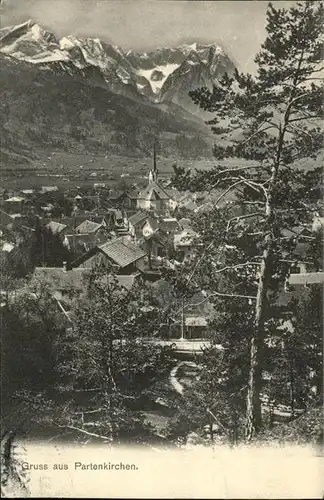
239	26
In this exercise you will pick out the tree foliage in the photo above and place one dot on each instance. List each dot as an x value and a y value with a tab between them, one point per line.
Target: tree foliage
270	125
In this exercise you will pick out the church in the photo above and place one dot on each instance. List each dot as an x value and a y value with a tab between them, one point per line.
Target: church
154	196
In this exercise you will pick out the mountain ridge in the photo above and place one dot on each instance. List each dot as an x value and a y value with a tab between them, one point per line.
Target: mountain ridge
149	75
41	109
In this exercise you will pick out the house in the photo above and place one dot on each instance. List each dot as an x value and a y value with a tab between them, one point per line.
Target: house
79	244
154	196
57	228
48	189
150	227
6	247
15	204
190	205
185	223
27	192
136	223
183	243
169	225
64	284
47	209
158	248
61	282
120	254
189	318
124	199
305	279
195	327
88	226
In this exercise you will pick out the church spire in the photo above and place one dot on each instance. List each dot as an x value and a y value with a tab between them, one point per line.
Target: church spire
153	174
155	169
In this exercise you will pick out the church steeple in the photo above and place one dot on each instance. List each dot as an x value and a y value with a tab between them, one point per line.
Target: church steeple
153	174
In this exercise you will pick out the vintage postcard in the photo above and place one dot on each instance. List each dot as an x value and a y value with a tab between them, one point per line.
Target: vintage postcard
161	246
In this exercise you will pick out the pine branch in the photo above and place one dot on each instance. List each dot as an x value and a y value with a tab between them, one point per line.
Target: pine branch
240	217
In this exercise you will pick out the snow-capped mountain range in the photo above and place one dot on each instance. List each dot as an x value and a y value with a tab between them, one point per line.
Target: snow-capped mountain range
162	75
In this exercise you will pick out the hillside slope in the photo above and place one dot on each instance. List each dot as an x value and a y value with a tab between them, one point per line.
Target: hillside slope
42	109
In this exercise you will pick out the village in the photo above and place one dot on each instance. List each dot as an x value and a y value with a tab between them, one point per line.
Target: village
134	232
161	240
129	232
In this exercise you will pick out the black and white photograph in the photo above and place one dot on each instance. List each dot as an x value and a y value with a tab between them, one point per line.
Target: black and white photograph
161	248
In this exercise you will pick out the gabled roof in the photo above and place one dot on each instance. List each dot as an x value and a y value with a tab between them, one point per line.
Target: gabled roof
59	279
122	251
196	321
138	218
15	199
48	189
169	225
88	226
153	191
27	191
306	278
115	195
78	241
56	227
153	223
7	247
125	281
77	278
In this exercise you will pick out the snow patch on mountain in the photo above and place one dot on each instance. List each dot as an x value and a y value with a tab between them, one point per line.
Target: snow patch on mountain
165	69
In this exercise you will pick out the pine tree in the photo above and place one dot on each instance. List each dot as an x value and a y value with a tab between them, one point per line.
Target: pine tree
268	122
104	355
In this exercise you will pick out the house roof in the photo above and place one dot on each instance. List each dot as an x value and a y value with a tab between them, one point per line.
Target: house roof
169	225
88	226
125	281
15	199
122	251
318	223
306	278
133	194
115	195
56	227
58	279
48	189
153	191
76	279
78	241
196	321
153	223
185	237
185	222
190	205
174	194
7	247
138	218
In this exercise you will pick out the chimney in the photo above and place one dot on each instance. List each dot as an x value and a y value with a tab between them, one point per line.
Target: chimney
65	266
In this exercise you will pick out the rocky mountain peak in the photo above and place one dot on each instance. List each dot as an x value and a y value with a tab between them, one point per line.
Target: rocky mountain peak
166	73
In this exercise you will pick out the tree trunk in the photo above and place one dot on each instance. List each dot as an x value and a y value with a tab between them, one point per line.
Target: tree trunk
292	390
182	319
253	406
